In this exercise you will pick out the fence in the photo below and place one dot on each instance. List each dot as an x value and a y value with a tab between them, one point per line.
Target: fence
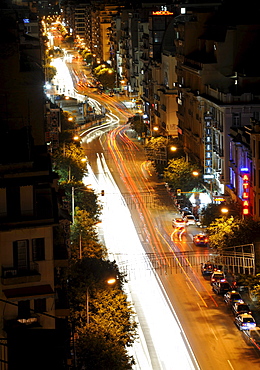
180	262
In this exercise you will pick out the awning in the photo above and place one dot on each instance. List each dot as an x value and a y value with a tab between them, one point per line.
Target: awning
37	290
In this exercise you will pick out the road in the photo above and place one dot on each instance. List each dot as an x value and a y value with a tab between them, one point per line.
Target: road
207	323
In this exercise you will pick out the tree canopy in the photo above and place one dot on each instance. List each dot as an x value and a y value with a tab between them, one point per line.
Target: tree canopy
213	211
111	324
227	232
179	175
69	162
106	76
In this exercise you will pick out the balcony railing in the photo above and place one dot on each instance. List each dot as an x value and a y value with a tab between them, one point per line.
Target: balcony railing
14	275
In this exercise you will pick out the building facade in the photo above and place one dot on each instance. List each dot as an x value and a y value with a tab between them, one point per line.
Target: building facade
29	212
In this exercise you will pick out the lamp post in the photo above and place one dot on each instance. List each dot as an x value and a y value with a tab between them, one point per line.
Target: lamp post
109	281
73	200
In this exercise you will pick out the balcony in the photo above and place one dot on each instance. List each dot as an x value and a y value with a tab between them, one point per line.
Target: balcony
12	275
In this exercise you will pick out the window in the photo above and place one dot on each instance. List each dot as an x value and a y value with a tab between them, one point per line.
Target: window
236	119
38	249
40	305
24	309
21	254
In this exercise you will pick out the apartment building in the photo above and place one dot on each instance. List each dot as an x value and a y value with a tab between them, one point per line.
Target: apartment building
200	87
33	333
217	88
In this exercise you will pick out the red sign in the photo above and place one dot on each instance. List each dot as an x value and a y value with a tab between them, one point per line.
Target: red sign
245	194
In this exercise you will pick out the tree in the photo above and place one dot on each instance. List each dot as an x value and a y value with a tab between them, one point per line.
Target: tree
87	56
110	319
156	143
68	162
226	232
50	72
213	211
95	351
102	343
84	236
137	124
84	198
91	273
106	76
179	175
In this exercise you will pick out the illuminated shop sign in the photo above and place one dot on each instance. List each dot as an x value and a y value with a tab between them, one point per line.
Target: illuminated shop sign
245	194
208	147
162	12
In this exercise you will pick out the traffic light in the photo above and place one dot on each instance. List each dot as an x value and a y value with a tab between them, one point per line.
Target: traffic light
178	192
102	192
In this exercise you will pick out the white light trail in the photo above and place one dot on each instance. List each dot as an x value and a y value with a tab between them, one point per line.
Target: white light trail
63	78
159	324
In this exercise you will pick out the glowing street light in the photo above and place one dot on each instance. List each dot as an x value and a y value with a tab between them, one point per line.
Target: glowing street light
224	210
111	281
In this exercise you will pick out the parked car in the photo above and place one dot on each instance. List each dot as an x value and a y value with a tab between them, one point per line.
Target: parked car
245	321
190	220
254	335
178	223
185	212
200	239
217	276
221	287
232	297
238	308
207	268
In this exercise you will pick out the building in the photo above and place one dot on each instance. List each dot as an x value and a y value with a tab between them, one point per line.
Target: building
217	86
32	330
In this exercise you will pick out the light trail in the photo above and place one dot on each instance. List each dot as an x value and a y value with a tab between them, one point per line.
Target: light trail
159	326
189	278
152	232
132	188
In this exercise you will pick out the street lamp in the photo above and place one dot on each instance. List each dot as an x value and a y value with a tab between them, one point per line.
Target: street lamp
173	148
224	210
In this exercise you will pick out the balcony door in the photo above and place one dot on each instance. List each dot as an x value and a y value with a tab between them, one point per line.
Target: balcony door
21	255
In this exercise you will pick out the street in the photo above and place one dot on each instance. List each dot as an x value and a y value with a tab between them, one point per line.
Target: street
154	260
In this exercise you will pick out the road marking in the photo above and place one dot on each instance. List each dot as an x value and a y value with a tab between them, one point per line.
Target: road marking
230	364
214	334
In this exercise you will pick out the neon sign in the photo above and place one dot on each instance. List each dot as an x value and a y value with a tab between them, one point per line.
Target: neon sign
245	194
208	148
